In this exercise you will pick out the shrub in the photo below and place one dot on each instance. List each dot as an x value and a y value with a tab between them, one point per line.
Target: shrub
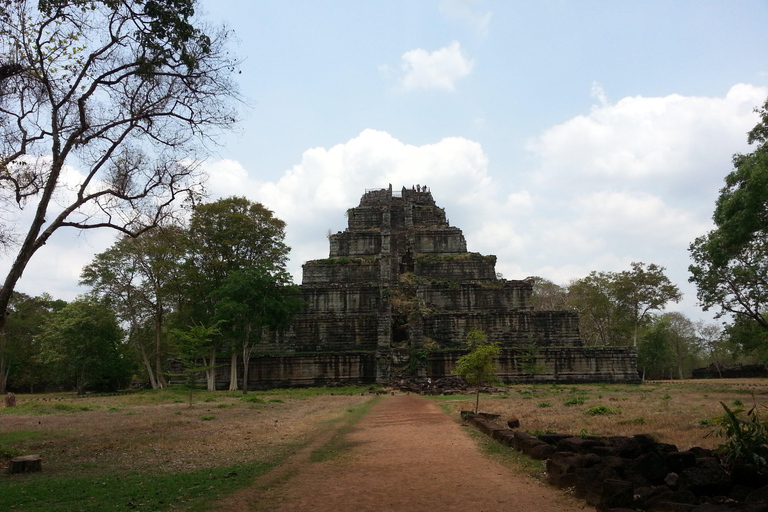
544	404
746	439
574	400
599	410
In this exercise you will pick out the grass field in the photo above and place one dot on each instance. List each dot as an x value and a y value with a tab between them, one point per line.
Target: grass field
152	451
677	412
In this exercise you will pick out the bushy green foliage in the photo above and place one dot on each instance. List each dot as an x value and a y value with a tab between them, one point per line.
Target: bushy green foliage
83	343
730	262
574	400
599	410
746	438
478	367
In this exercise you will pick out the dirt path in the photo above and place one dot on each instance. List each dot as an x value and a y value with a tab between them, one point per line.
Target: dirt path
406	455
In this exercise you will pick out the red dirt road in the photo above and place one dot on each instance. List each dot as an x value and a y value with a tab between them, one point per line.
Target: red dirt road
408	455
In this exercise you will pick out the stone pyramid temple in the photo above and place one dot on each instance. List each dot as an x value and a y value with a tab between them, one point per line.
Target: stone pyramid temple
397	296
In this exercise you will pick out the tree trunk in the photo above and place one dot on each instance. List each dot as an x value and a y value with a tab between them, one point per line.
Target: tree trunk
148	366
5	368
210	372
246	363
477	400
158	345
233	372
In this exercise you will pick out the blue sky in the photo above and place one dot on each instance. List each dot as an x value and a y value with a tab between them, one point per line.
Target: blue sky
562	136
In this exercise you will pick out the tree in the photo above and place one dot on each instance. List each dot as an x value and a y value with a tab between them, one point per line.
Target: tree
251	302
191	345
19	350
83	343
223	237
642	290
478	367
123	91
730	268
546	295
737	285
140	278
748	337
599	317
741	210
654	353
614	306
712	341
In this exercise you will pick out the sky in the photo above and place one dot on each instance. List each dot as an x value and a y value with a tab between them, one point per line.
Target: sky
561	136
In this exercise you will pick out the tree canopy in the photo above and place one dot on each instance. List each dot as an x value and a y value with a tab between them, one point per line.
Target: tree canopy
730	268
83	343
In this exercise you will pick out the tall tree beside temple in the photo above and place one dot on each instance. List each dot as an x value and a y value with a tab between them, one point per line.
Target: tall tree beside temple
225	236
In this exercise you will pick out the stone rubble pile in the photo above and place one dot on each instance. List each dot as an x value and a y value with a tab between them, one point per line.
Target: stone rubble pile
452	385
620	473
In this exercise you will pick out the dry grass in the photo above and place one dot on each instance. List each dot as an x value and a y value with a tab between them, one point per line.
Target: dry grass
677	412
161	432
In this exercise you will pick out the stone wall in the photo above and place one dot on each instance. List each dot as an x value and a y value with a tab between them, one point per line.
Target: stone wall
339	271
311	332
468	266
552	364
307	369
474	297
361	243
445	240
548	365
509	329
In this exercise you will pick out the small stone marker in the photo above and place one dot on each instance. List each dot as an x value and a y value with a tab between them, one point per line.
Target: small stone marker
10	400
25	464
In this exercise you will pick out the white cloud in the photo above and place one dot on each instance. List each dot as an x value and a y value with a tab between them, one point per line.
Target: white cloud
440	69
637	215
598	93
463	11
641	138
313	195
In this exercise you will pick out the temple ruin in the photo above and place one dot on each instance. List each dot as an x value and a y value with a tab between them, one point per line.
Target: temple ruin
397	296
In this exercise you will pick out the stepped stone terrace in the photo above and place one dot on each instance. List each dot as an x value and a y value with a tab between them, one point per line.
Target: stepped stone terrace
397	296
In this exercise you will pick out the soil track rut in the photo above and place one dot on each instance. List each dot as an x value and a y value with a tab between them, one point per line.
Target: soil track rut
407	455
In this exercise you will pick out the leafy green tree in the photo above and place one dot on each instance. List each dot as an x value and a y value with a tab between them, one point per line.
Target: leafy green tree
125	91
740	212
739	285
748	338
190	347
82	342
641	290
712	341
225	236
141	278
478	367
20	349
730	268
252	302
613	307
654	352
599	316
